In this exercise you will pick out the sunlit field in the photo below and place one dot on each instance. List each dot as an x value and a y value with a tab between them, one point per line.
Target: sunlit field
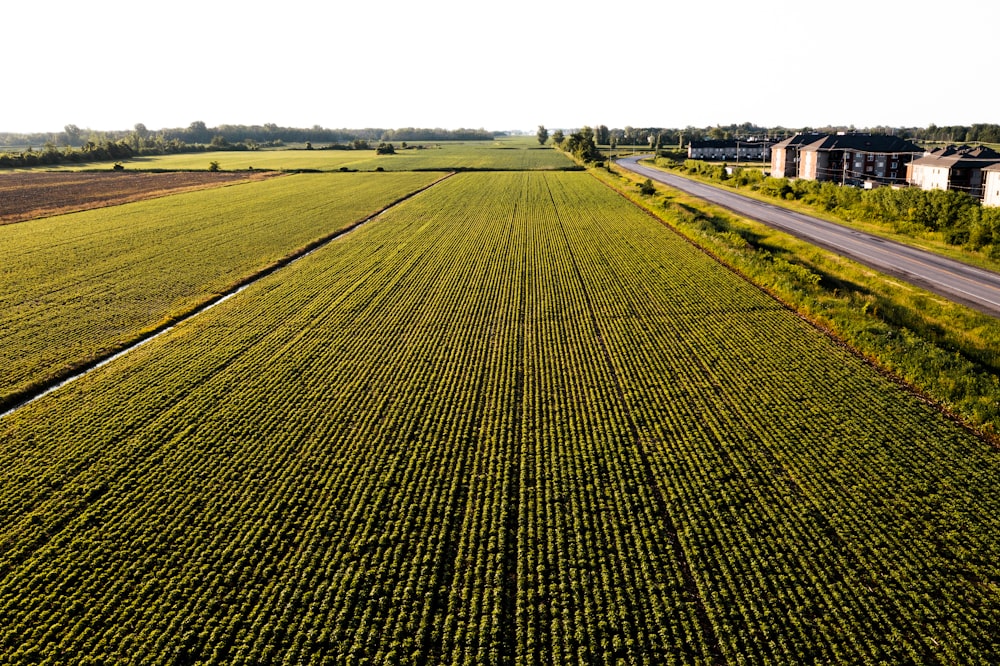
516	153
514	419
77	286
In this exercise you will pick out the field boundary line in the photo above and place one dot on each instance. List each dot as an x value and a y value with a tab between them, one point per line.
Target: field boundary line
22	399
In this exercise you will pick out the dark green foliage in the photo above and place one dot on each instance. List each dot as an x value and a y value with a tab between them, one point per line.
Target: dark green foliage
542	135
581	145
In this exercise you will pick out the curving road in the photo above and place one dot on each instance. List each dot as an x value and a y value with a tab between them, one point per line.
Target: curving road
975	287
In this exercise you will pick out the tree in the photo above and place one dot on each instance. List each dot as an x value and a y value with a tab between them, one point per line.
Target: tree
542	134
581	144
198	132
72	135
557	137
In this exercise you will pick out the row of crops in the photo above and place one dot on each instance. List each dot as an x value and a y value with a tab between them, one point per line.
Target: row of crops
75	287
514	420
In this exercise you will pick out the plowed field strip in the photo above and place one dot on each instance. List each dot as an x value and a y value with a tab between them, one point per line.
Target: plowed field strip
30	195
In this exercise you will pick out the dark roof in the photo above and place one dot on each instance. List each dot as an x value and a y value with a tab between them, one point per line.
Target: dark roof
868	143
798	140
963	157
713	143
725	143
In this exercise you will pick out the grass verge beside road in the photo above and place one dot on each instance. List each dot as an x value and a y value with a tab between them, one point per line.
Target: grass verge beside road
925	239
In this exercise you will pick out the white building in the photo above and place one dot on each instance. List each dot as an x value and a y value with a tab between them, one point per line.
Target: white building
991	186
953	168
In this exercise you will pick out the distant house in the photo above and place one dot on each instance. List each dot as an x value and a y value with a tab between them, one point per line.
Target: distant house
957	168
991	186
729	149
857	159
785	154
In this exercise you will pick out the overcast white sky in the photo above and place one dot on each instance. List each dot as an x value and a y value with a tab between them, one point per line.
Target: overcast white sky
109	64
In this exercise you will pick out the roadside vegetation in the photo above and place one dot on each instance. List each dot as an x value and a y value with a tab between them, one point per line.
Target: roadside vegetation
940	219
948	351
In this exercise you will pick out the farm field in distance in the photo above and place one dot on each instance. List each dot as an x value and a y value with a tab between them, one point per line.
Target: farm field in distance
81	285
508	154
514	419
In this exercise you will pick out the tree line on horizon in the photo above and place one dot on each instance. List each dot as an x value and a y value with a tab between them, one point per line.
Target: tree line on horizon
74	145
269	134
250	135
635	136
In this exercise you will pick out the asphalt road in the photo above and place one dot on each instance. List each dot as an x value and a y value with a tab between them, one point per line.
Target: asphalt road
975	287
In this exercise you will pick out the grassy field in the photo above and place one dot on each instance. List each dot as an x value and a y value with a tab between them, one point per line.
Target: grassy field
504	154
513	420
78	286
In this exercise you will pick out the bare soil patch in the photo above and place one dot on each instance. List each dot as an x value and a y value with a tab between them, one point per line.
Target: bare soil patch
26	195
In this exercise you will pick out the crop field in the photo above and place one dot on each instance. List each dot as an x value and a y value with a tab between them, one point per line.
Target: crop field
77	286
513	420
29	194
504	154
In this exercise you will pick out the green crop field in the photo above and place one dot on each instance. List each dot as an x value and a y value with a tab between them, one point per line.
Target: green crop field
512	420
503	154
77	286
